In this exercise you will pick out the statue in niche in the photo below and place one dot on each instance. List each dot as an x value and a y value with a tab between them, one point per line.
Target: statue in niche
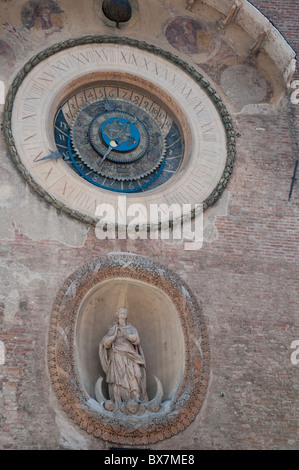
123	361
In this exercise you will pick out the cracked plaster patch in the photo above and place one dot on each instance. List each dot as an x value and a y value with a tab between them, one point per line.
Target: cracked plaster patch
69	437
11	304
34	218
14	279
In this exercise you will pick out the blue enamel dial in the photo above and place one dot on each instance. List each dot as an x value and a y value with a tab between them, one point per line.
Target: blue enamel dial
127	145
121	133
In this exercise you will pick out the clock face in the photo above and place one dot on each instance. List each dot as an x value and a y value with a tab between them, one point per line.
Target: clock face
117	139
90	119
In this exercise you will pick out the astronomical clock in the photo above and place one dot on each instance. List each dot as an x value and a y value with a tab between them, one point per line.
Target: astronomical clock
93	118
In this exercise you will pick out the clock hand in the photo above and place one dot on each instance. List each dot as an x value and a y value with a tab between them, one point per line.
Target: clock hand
55	154
109	106
113	145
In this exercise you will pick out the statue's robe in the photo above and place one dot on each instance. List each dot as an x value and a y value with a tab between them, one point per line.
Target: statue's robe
123	362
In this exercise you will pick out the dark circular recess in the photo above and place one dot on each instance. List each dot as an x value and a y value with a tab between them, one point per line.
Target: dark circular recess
119	11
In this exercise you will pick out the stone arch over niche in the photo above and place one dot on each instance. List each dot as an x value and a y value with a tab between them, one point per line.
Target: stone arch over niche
154	315
171	326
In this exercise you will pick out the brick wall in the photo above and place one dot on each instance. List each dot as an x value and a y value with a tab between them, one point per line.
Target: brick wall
246	281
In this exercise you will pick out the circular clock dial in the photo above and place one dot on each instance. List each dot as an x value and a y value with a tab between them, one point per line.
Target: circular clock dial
89	119
118	140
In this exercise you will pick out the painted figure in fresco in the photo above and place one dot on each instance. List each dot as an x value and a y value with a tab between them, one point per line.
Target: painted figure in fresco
188	35
42	14
123	361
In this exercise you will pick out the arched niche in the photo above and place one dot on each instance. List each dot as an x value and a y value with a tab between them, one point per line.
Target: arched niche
154	315
173	335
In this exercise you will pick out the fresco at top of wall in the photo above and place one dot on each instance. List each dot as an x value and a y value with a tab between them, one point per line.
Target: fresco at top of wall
45	15
189	36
